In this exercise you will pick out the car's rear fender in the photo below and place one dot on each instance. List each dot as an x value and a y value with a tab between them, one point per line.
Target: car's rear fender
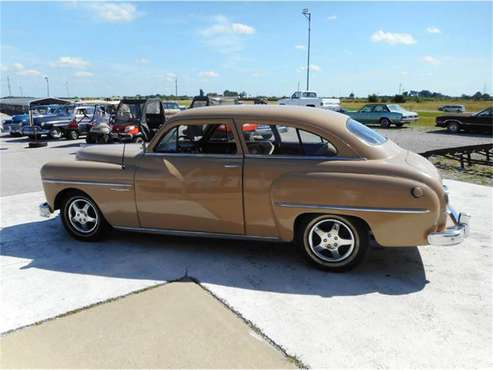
386	203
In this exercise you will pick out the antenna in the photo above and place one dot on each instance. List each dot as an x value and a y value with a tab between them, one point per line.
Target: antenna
8	85
123	156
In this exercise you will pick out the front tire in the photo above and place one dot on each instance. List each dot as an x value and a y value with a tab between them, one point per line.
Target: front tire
333	243
72	135
385	123
453	127
82	218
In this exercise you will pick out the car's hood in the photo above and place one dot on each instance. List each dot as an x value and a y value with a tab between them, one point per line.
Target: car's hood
456	115
111	153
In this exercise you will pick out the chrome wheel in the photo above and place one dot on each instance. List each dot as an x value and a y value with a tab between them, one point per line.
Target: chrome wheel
83	216
331	240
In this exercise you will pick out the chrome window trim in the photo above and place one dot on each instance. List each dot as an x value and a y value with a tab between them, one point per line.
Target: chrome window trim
357	209
77	182
150	230
302	157
216	156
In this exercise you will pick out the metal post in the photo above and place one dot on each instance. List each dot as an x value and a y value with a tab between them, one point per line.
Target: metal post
308	16
176	87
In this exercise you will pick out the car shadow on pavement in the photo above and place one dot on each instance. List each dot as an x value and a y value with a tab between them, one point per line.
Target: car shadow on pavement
273	267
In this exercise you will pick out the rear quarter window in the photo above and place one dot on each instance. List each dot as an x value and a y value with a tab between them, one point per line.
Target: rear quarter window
365	133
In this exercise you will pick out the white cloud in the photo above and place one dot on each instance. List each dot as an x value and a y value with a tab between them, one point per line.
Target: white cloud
393	38
18	66
243	28
83	74
143	61
29	72
225	36
332	17
431	60
222	25
71	62
170	76
115	12
300	47
313	68
433	29
208	74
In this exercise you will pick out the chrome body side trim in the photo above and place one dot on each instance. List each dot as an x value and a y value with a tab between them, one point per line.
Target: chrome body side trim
148	230
95	183
357	209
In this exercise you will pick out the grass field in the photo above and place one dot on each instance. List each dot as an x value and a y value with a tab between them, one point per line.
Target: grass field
427	109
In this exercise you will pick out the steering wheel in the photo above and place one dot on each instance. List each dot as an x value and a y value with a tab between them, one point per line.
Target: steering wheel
190	147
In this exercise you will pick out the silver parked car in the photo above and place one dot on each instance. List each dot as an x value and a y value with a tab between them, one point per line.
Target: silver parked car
452	108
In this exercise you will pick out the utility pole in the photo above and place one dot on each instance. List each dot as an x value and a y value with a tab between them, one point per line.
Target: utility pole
20	91
8	85
298	86
400	89
176	87
308	16
47	86
66	89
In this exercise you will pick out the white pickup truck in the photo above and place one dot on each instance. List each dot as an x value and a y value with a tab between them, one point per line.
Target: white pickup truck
310	99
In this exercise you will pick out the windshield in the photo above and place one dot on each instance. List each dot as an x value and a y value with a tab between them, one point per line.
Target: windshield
395	108
171	106
129	112
366	134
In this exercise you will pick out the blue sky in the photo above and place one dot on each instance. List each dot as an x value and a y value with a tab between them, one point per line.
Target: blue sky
104	49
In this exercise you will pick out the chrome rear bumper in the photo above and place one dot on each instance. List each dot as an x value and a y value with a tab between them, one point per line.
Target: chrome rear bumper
452	235
44	210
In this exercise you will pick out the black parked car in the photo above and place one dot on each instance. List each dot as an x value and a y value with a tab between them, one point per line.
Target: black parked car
480	121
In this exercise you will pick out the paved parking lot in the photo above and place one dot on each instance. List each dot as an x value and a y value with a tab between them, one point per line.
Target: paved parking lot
413	307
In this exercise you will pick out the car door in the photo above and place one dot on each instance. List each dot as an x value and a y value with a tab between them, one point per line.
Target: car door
273	165
365	115
191	179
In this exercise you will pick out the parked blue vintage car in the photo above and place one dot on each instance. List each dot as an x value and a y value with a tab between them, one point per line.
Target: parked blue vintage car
384	115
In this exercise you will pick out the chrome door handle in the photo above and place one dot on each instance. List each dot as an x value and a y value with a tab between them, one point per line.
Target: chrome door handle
230	165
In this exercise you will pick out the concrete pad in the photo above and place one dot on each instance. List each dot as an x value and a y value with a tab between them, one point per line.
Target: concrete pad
405	307
177	325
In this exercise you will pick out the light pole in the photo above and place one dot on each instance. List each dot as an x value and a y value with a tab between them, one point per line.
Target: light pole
308	16
176	87
47	86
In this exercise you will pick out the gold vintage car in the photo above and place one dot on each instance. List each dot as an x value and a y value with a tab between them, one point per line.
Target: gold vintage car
323	180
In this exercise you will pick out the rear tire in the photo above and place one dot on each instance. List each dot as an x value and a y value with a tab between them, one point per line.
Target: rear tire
333	243
55	133
82	218
385	123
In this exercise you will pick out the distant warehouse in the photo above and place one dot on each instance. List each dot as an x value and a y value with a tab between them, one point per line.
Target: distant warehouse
19	105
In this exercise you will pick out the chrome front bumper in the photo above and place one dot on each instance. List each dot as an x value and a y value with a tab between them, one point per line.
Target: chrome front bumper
452	235
44	210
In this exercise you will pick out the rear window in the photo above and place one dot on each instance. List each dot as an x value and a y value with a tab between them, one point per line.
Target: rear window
366	134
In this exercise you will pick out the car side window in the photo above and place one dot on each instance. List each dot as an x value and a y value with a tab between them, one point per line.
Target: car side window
380	108
284	140
198	139
367	109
